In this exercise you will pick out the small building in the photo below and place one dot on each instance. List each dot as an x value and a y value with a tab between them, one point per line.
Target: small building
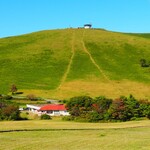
33	108
49	109
87	26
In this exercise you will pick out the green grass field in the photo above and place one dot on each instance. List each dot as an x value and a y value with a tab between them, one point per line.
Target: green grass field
61	64
61	135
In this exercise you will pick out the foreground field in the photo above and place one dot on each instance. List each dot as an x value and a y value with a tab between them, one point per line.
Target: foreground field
60	135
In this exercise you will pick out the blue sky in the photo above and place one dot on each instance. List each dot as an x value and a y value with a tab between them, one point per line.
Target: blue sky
25	16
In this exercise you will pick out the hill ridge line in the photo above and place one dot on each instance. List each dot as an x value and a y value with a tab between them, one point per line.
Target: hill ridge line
70	62
92	59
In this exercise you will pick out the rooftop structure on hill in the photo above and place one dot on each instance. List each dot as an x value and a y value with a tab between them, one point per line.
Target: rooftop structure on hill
88	26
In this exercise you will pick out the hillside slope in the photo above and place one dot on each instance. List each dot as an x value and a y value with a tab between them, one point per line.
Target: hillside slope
70	62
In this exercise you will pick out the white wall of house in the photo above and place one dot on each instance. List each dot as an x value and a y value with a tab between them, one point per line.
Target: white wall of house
33	108
55	113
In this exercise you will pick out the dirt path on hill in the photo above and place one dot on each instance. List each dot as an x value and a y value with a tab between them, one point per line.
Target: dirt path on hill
70	62
98	67
92	59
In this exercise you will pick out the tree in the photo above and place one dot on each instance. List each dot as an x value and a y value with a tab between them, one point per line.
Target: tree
9	111
78	106
124	109
101	106
13	88
132	106
144	108
143	63
118	110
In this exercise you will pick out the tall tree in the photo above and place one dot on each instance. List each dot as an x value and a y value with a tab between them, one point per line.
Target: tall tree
13	88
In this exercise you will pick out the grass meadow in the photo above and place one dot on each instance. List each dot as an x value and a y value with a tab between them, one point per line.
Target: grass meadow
62	135
83	62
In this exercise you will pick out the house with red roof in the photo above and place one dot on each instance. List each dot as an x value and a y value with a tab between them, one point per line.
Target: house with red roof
49	109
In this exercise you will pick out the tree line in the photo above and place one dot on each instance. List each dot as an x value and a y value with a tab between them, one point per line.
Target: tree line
85	108
100	109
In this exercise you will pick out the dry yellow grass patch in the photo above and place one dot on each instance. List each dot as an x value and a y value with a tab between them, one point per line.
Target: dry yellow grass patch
38	93
112	89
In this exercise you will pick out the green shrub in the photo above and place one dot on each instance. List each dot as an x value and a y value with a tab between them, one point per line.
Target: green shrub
144	108
7	97
32	97
144	63
45	117
68	118
94	117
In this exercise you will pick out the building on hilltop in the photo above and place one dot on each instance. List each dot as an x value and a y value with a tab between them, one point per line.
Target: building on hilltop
87	26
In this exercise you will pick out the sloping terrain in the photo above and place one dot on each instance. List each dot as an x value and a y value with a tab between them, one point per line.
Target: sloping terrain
70	62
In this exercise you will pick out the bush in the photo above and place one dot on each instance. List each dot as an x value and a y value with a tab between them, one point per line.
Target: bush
68	118
7	97
144	63
45	117
32	97
144	108
94	117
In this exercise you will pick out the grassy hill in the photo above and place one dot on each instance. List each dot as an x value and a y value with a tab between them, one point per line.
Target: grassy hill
65	63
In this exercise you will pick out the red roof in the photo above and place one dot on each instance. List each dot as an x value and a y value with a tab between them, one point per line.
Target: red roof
53	107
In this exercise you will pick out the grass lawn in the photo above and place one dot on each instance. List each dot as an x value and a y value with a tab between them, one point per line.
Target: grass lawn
62	135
